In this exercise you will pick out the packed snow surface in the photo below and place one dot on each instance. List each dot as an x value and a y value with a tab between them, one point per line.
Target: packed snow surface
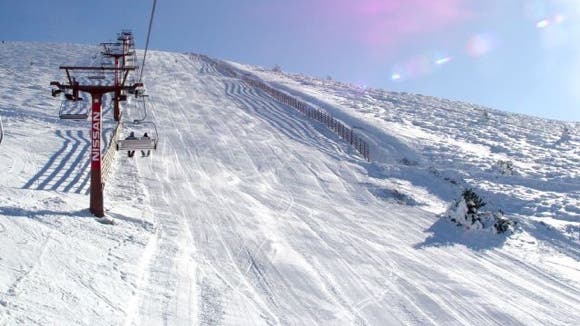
249	213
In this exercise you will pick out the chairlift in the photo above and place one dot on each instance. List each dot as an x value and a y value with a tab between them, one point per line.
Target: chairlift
140	126
71	109
72	98
139	92
56	92
140	143
96	77
106	62
133	91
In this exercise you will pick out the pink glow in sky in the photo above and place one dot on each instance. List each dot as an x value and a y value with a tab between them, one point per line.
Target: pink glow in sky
377	22
480	45
384	22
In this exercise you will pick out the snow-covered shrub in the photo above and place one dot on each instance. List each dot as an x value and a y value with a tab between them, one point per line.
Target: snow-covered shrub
502	224
466	212
505	167
409	162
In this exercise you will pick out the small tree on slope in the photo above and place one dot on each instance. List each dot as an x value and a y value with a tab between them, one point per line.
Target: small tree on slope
466	212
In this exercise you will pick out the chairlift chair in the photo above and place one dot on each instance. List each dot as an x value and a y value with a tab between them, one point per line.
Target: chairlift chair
140	125
96	77
140	143
132	80
139	92
106	62
71	109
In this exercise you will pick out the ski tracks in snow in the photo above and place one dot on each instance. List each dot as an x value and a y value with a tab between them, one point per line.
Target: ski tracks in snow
167	280
249	269
244	193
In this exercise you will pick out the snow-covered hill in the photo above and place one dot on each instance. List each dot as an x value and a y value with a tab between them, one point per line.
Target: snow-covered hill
250	213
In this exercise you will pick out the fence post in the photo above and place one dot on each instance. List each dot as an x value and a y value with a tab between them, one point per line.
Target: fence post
350	135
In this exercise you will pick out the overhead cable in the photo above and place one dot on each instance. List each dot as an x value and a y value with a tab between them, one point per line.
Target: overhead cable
148	37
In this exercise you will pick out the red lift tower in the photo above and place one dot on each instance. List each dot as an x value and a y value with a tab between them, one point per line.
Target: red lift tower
110	51
128	43
97	92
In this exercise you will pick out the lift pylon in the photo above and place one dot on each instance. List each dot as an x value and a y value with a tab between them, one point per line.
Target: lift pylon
128	43
117	51
96	92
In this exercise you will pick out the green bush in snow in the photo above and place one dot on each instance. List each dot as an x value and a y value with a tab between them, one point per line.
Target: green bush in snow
466	212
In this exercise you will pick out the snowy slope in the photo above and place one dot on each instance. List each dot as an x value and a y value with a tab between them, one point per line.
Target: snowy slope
249	213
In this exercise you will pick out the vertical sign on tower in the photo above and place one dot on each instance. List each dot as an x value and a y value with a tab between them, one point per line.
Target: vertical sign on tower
96	182
96	135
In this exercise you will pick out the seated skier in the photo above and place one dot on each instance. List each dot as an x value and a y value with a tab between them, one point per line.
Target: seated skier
131	137
145	136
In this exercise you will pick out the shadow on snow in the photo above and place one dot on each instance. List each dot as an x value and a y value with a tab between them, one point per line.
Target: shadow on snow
67	169
444	233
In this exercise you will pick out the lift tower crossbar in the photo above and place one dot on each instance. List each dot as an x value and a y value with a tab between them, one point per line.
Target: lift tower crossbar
97	92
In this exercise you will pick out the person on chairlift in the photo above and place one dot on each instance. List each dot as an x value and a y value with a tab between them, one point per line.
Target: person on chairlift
131	137
145	136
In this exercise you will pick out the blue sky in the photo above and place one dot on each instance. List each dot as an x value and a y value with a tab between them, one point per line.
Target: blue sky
513	55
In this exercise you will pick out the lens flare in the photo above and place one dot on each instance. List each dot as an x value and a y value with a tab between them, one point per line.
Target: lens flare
559	19
443	61
419	65
480	45
543	23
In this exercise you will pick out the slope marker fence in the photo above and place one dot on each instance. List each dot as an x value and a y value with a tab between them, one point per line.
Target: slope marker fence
111	152
338	127
343	131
